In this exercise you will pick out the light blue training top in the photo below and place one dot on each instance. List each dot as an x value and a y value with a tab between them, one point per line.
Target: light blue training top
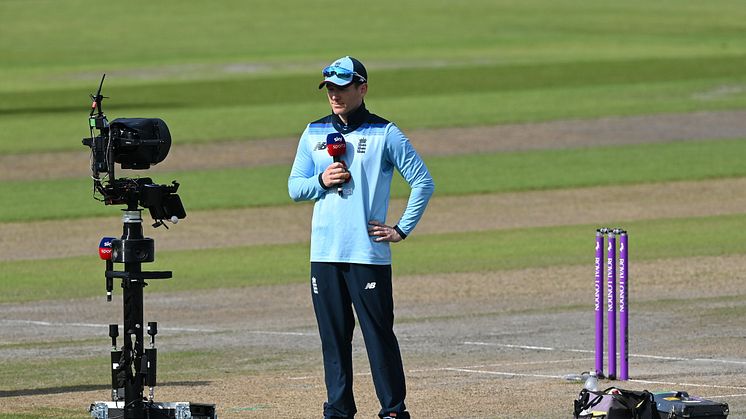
375	147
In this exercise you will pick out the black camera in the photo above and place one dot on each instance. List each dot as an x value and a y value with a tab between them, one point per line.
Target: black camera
134	143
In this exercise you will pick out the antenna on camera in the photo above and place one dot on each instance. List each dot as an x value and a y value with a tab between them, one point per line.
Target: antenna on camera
98	99
101	159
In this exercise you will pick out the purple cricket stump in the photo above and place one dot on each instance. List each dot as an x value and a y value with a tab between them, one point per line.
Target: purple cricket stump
623	307
611	302
598	302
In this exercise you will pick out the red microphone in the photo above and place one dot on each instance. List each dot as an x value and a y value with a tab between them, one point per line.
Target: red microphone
336	147
104	252
104	248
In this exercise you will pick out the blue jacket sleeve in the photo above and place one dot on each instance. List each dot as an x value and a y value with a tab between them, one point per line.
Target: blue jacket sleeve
409	164
303	183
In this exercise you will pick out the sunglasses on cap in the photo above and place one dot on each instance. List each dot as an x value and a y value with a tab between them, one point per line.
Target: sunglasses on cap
341	73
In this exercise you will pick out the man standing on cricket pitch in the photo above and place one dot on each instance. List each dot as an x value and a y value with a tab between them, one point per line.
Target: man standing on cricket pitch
345	163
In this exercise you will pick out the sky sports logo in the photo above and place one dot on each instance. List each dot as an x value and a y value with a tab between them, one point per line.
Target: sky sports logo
104	248
336	142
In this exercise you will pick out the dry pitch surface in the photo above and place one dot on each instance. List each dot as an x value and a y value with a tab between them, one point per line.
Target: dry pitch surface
476	345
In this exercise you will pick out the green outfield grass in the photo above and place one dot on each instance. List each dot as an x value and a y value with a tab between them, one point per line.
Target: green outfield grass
51	41
199	111
389	83
425	254
454	175
499	62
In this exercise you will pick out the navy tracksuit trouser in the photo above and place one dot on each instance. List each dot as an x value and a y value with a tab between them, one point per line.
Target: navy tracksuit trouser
335	289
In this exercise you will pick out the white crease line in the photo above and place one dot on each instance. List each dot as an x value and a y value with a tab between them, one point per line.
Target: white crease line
41	323
539	348
94	325
659	357
263	332
509	374
725	361
506	364
173	329
669	383
188	329
727	396
667	358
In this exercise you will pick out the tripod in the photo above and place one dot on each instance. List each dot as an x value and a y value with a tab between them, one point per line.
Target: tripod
132	366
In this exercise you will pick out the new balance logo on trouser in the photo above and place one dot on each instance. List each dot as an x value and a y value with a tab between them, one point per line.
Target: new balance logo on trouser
338	288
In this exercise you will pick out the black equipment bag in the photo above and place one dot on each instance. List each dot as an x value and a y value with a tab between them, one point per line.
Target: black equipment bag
679	404
615	403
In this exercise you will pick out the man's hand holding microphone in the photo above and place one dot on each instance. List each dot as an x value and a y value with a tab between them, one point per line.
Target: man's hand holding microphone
336	173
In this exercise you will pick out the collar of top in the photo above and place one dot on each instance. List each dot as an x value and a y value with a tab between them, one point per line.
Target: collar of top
355	119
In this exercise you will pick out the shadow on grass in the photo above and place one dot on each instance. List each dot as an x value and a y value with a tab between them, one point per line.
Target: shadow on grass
86	387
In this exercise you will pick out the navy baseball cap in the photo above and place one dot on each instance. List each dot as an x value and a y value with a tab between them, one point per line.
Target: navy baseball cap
344	71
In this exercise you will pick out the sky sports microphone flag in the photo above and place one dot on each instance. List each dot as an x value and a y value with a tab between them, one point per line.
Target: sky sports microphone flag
104	248
336	147
104	252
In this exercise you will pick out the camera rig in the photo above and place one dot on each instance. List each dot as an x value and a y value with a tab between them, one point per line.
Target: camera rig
134	143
